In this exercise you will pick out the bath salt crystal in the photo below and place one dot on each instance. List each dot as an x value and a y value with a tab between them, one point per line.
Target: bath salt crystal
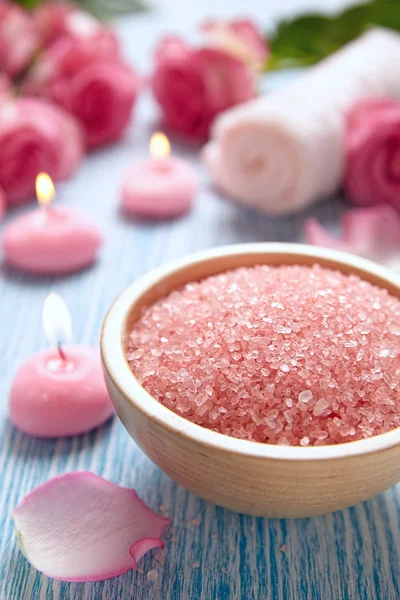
289	355
152	575
305	396
320	407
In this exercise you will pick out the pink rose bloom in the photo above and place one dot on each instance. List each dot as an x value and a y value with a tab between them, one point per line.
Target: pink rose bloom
192	86
373	153
240	37
63	19
18	38
90	81
35	136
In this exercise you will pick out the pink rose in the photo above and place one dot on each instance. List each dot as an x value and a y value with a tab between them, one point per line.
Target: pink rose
89	80
192	86
35	136
373	153
171	46
18	38
240	37
63	19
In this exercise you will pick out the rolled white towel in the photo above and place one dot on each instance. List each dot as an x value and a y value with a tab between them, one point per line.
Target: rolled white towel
285	151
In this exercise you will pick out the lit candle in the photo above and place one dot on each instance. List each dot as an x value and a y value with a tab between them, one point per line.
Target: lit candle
60	391
159	186
50	240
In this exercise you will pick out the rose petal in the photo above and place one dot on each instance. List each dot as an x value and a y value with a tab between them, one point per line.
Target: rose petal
80	527
366	109
241	37
35	136
372	233
87	77
373	152
56	20
193	85
18	39
171	46
317	235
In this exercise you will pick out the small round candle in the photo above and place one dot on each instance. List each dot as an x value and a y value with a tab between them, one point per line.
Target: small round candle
160	186
60	391
50	241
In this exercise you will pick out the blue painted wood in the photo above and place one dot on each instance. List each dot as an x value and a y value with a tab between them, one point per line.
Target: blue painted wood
349	555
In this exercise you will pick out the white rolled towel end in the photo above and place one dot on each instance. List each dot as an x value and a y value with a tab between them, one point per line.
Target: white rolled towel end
284	151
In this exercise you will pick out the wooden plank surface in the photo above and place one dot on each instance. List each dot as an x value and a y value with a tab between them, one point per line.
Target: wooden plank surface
352	554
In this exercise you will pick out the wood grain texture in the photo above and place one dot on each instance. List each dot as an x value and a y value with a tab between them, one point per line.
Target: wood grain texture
349	555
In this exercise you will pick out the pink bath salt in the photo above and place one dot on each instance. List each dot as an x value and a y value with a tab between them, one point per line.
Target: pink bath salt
291	355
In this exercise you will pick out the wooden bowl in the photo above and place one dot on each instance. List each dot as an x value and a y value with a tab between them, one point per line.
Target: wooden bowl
246	476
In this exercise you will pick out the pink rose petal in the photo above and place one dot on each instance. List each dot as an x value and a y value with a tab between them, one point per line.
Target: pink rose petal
87	77
317	235
35	136
193	85
18	38
80	527
171	46
240	37
373	153
366	109
373	233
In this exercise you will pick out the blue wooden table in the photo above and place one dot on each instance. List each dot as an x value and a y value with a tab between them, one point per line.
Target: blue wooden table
211	553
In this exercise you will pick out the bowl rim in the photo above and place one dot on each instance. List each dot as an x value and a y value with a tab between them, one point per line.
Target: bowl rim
117	367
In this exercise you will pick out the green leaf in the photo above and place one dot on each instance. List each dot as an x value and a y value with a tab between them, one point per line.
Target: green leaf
297	42
307	39
28	3
105	9
102	9
385	13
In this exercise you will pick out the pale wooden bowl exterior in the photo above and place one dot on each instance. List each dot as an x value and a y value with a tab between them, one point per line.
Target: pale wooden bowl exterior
249	477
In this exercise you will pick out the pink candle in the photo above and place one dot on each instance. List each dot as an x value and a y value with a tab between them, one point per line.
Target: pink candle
60	391
49	240
160	186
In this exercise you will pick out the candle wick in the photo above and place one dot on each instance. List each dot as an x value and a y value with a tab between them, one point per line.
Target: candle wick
42	215
61	351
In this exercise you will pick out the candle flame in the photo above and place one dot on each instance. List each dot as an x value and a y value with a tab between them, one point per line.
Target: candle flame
56	320
159	145
45	190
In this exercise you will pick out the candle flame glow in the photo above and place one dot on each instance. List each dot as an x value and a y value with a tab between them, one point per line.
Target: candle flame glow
56	320
45	190
159	145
